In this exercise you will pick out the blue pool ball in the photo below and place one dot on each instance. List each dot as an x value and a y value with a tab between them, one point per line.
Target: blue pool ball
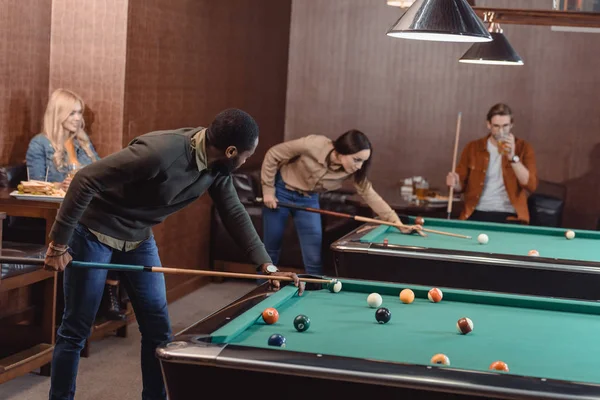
383	315
277	340
301	323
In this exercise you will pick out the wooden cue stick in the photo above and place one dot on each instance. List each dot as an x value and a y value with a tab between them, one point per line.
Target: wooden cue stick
177	271
365	219
457	135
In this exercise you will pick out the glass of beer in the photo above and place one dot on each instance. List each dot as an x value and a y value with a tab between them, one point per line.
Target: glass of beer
502	146
422	190
72	170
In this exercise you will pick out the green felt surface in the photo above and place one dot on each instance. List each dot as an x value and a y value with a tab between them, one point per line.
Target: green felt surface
538	337
504	239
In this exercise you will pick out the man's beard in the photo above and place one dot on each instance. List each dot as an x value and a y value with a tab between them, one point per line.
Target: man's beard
226	166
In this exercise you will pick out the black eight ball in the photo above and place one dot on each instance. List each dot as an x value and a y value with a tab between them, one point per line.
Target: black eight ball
383	315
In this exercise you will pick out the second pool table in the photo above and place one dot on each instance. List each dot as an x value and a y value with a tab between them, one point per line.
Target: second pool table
565	268
548	344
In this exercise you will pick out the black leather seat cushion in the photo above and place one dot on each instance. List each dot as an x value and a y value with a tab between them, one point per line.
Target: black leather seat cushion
12	249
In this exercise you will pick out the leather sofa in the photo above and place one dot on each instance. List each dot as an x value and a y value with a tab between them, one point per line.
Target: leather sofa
247	184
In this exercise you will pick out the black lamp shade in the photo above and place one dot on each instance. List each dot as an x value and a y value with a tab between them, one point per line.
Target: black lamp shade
497	52
440	20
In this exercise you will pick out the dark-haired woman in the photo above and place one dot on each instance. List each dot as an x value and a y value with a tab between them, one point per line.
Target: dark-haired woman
296	171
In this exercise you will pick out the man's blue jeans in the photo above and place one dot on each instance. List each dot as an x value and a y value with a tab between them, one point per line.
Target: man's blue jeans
83	290
308	227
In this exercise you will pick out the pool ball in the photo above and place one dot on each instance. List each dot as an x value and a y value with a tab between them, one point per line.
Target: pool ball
385	242
374	300
569	235
383	315
407	296
301	323
435	295
334	286
440	359
483	238
277	340
270	315
499	366
534	253
464	325
419	221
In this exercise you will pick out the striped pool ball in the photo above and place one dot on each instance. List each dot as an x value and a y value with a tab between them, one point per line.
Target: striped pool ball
435	295
464	325
334	286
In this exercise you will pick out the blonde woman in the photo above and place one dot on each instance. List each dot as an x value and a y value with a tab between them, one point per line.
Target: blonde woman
64	147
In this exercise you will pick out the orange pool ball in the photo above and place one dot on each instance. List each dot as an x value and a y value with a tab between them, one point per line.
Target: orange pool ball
419	221
499	366
270	315
440	359
407	296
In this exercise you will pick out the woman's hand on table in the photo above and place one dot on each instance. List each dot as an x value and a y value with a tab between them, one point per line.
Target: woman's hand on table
65	184
410	229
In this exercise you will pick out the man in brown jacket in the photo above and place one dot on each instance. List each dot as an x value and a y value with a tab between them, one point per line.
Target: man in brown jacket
496	173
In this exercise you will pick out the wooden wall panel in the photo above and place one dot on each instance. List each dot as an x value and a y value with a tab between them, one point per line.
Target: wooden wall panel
24	61
187	60
344	73
87	56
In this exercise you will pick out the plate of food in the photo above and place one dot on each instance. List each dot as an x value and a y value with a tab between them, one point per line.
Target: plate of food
39	191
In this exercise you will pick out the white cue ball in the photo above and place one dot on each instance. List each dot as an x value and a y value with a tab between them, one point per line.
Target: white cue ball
570	234
483	238
374	300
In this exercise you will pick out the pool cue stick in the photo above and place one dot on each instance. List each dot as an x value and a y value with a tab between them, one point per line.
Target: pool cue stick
176	271
365	219
457	135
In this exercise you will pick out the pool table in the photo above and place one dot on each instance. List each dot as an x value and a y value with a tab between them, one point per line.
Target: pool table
565	268
548	344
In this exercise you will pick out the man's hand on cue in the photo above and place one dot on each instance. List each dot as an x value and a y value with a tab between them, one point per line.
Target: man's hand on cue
276	284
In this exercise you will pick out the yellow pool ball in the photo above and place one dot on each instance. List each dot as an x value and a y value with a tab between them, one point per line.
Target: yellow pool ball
407	296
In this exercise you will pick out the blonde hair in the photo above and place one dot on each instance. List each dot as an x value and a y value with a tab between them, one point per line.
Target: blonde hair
61	104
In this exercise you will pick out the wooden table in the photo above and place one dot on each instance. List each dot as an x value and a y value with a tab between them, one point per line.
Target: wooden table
29	208
48	211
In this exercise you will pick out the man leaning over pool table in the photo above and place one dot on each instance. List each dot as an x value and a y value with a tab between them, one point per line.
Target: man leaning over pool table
107	217
496	173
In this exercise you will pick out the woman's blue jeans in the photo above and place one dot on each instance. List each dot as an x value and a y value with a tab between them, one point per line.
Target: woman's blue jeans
308	227
83	290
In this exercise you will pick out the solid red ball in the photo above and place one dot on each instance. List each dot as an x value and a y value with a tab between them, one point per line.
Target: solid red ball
270	315
419	221
499	366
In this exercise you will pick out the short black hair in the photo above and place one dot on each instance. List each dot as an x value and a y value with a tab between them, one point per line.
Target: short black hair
232	127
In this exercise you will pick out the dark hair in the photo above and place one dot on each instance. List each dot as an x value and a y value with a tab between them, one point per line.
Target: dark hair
499	109
232	127
352	142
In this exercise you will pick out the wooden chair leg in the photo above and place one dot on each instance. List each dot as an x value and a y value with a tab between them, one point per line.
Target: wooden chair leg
122	331
45	370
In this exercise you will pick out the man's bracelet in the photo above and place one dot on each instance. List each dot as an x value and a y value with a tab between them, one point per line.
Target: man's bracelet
54	248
